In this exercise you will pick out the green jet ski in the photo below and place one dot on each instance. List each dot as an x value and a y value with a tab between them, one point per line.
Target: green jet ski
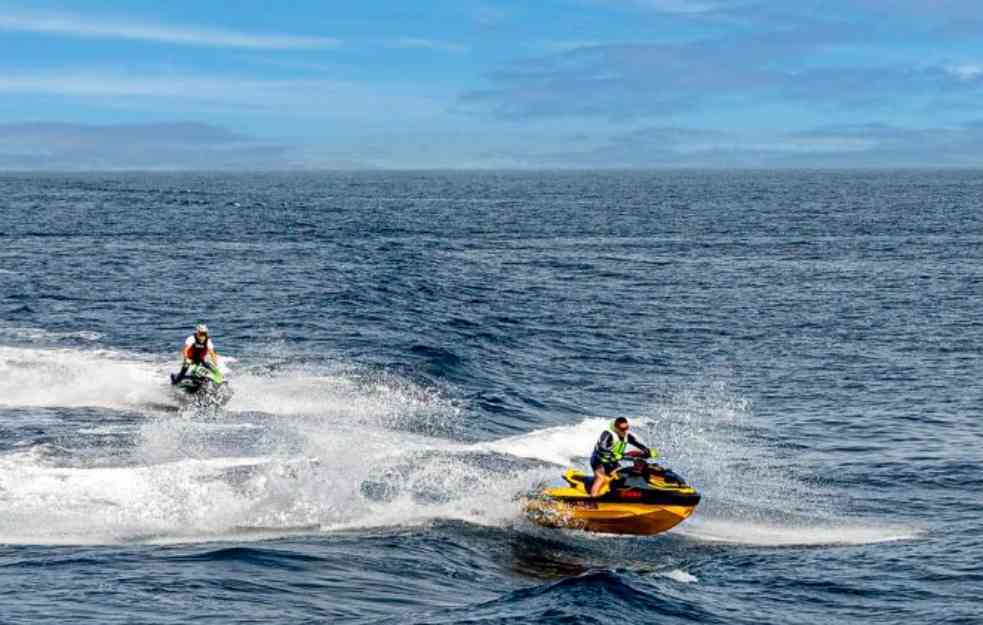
202	386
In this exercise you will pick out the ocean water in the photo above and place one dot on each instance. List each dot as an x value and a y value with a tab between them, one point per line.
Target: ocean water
412	353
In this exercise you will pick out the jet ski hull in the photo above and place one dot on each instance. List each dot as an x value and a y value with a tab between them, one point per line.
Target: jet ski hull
203	387
205	394
641	501
608	518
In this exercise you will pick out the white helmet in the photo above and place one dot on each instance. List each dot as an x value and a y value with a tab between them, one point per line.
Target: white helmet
201	329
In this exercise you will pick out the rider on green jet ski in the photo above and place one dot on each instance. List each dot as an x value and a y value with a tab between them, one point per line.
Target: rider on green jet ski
610	448
198	350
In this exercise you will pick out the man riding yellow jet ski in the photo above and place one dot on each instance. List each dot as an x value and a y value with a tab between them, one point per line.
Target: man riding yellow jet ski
643	498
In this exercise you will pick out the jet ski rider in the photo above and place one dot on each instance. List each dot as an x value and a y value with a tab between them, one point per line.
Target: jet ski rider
610	448
198	350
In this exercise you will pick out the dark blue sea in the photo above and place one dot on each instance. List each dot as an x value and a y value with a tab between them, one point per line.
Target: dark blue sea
413	354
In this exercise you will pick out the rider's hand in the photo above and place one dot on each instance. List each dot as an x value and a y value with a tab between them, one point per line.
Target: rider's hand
653	453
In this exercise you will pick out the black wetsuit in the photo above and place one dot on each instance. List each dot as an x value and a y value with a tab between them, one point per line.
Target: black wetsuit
603	455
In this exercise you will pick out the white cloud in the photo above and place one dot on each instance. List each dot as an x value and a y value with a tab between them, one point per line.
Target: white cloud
182	92
82	26
554	46
965	72
675	6
427	44
679	7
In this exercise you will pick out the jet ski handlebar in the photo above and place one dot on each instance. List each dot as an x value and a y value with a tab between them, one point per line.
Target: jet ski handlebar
640	462
637	456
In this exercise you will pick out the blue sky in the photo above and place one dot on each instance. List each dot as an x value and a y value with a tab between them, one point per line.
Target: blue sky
490	84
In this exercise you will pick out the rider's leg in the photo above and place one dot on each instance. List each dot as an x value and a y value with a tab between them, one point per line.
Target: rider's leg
600	478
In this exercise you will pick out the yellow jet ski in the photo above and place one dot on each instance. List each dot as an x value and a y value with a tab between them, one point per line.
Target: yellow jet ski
644	498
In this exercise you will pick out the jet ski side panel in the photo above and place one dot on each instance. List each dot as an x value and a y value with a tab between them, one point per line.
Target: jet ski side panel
639	503
203	388
609	518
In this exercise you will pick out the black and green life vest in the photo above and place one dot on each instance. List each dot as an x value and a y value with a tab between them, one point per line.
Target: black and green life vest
619	445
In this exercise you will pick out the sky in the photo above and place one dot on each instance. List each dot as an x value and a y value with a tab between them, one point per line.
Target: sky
469	84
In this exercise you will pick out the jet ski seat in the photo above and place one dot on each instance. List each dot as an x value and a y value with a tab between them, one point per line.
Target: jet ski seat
586	480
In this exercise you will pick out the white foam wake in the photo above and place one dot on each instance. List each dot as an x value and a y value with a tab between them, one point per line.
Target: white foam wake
849	532
559	445
681	576
294	450
328	449
77	378
187	483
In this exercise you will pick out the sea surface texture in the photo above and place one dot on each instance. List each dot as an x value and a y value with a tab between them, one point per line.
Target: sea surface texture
414	353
